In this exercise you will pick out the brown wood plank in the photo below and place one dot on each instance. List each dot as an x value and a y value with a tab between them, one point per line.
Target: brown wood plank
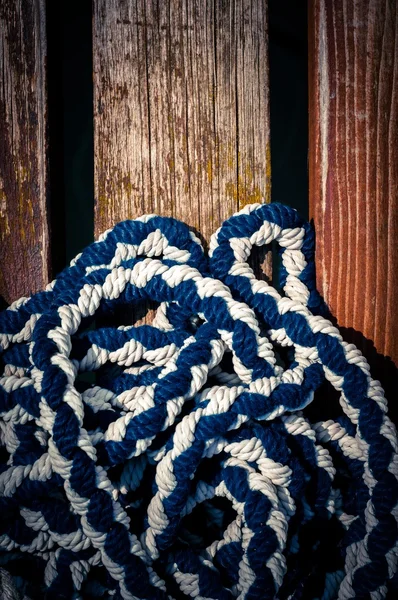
180	108
24	237
353	69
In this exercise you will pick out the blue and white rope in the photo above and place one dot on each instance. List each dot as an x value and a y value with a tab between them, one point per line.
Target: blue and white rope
196	464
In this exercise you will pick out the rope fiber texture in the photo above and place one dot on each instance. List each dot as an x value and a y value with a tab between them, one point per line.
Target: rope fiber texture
188	458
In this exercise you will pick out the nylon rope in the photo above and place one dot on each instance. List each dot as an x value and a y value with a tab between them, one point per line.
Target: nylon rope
201	456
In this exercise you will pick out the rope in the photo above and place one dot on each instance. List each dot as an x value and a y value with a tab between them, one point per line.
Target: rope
187	459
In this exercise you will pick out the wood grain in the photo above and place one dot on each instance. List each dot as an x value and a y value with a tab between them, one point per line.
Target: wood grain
180	108
24	236
353	69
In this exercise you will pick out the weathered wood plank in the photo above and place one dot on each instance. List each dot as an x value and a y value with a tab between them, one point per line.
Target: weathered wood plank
24	236
353	67
180	108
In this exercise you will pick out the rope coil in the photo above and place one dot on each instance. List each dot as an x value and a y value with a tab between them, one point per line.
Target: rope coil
196	464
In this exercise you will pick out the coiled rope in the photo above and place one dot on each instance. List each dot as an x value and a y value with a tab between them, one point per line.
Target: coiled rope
196	464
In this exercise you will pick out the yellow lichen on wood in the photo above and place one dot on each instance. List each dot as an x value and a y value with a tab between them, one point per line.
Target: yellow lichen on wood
247	189
209	169
243	194
197	97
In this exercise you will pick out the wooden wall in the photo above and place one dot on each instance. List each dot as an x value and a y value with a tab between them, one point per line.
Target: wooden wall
353	71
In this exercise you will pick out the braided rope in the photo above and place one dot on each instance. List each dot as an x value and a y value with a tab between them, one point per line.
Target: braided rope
195	464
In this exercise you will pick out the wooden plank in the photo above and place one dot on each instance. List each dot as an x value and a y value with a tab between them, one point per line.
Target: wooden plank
353	69
180	109
24	236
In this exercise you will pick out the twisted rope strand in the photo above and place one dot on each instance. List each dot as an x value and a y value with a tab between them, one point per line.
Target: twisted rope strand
183	459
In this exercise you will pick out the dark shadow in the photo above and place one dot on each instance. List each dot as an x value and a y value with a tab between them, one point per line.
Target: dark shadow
382	367
127	314
261	261
205	243
288	89
3	303
55	150
71	143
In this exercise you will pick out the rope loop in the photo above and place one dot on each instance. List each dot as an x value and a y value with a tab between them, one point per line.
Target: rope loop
194	457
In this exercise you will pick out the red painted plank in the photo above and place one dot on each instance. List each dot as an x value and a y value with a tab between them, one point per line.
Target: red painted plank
353	69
